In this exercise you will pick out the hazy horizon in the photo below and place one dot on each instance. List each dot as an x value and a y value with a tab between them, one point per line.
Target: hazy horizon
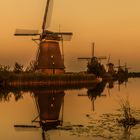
114	26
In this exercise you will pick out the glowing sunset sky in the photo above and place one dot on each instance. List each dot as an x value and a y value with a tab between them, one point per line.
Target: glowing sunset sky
114	26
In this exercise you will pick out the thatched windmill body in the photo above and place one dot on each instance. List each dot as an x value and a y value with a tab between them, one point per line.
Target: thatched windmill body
49	57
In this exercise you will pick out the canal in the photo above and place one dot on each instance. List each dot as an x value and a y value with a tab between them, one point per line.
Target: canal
83	114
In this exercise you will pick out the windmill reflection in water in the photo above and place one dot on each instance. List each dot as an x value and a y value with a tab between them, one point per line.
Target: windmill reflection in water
50	106
98	90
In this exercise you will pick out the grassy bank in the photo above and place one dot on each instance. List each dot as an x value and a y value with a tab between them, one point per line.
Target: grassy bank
44	79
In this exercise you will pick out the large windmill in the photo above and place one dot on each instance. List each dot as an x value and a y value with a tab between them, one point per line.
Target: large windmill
49	58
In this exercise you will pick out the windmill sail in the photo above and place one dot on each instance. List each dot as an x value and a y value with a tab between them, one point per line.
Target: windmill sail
65	36
102	57
84	58
24	32
89	58
47	15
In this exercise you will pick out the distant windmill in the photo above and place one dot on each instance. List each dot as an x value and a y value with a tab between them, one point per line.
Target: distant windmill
92	56
49	58
110	66
121	67
126	68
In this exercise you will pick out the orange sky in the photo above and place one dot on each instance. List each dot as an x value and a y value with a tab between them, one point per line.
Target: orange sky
114	26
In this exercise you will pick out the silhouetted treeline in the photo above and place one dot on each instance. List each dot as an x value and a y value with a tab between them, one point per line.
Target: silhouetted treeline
134	74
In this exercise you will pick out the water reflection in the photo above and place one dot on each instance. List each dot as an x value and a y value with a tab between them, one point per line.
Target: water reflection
127	133
97	91
6	94
50	106
110	84
93	92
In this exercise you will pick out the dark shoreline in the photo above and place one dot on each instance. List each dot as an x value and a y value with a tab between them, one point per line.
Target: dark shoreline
41	79
134	74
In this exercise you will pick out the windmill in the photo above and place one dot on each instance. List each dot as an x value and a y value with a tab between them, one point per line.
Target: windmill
92	55
126	68
120	67
94	63
122	73
49	58
110	66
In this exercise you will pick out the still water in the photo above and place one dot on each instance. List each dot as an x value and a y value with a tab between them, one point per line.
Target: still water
83	114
